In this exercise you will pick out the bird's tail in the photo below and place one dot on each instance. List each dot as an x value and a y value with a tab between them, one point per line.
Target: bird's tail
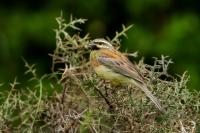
150	95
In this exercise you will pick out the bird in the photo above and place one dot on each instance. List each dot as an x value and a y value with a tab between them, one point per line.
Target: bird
110	64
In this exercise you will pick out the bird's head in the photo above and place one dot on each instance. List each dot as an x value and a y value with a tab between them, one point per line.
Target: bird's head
99	44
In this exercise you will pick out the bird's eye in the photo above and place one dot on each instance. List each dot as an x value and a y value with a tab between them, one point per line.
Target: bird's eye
95	47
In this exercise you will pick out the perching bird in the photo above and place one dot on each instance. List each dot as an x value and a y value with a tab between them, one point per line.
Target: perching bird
112	65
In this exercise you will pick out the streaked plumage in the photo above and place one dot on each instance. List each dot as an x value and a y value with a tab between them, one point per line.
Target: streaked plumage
111	65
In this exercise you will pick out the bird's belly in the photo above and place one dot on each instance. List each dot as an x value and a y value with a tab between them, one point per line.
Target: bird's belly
108	74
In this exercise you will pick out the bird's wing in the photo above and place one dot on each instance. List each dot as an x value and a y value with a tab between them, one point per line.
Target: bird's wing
122	66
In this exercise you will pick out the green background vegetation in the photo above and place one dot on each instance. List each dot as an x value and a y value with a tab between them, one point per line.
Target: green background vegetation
160	27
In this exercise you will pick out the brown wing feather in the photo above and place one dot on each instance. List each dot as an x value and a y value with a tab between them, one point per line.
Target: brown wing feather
122	66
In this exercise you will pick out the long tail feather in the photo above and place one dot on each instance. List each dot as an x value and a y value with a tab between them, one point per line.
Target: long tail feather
150	95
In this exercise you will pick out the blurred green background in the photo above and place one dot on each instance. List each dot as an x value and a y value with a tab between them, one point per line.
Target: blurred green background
165	27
